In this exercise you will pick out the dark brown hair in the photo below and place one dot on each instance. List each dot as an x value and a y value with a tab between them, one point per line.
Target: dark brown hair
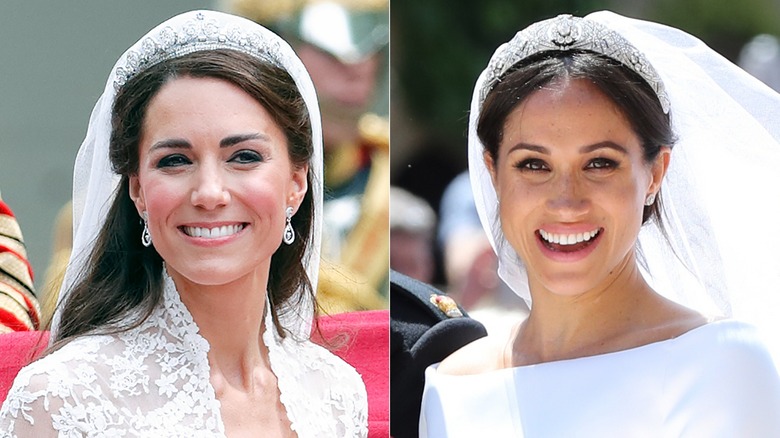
123	277
631	94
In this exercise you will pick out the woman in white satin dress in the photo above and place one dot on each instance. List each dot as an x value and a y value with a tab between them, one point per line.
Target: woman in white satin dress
187	306
637	304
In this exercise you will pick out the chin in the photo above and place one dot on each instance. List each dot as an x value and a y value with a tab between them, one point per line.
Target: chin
210	274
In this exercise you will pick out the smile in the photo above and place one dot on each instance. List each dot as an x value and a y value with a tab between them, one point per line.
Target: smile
568	239
212	233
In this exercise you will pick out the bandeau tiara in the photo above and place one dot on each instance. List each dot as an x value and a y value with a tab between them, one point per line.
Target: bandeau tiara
195	35
564	33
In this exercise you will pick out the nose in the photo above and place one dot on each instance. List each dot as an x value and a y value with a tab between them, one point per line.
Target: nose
209	191
568	198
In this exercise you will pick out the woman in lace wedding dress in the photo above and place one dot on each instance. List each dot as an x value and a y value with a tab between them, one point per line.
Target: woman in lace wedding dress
571	134
188	303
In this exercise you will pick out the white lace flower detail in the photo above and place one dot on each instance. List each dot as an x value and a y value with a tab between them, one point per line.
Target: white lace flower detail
154	380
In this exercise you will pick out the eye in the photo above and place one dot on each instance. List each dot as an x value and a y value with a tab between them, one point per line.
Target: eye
532	165
601	163
246	156
174	160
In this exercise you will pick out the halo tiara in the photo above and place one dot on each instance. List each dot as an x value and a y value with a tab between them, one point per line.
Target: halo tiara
566	32
197	34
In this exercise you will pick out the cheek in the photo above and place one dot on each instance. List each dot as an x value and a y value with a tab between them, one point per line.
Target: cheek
161	195
517	196
517	203
266	195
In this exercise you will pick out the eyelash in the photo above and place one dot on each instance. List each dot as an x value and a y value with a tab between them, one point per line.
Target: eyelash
174	160
241	157
537	165
246	156
532	165
604	163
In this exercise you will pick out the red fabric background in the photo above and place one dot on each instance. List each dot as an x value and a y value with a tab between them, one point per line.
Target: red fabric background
360	338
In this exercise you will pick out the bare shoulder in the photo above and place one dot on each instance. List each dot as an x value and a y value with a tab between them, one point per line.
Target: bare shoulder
673	320
480	356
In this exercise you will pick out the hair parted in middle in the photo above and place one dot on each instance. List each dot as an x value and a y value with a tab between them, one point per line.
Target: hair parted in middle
631	94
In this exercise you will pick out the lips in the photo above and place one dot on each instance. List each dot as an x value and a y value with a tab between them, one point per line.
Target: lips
212	233
568	242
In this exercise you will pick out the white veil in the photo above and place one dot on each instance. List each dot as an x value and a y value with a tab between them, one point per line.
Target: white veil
722	192
94	183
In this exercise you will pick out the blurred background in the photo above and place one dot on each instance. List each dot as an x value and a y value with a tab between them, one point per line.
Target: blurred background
56	57
439	47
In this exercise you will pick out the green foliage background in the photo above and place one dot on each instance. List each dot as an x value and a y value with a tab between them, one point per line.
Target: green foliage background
438	48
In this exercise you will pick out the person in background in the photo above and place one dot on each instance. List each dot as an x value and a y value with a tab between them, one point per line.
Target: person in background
470	263
343	45
19	308
412	225
761	58
426	325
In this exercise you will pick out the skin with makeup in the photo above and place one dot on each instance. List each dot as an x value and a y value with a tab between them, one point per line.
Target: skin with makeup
214	179
572	180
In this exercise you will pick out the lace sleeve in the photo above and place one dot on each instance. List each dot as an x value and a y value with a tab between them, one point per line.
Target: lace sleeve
63	394
32	406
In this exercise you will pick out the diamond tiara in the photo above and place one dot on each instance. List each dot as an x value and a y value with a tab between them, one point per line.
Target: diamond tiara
196	34
566	32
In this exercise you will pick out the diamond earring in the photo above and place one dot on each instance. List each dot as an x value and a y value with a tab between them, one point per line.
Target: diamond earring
289	233
146	238
650	199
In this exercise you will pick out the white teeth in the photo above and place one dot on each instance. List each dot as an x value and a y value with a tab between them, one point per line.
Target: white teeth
213	233
568	239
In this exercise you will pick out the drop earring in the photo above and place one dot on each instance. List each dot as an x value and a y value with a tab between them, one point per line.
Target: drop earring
289	233
146	238
650	199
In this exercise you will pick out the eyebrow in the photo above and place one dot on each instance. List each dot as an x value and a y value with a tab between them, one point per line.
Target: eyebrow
180	143
604	145
240	138
583	150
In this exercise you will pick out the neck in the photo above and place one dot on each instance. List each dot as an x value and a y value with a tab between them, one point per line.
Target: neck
230	318
564	327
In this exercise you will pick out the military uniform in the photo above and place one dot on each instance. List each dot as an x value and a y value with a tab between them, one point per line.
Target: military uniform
425	327
19	310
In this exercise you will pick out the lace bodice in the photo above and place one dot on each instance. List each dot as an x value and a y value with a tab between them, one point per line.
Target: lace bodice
154	381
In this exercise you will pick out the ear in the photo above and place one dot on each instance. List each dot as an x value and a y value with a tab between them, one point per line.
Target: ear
659	168
491	167
298	187
136	194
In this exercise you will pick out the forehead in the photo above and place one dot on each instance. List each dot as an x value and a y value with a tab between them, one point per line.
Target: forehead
204	114
567	111
204	102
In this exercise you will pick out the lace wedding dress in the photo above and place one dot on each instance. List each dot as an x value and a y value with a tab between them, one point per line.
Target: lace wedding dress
154	381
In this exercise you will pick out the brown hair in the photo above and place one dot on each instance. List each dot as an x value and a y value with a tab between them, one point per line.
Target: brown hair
630	93
123	277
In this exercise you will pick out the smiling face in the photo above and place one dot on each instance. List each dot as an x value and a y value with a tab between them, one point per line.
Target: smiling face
571	180
215	178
